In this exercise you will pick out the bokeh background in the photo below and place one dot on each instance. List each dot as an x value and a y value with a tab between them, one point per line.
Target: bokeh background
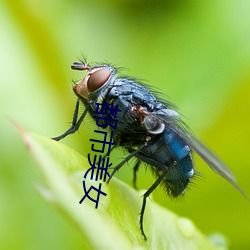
195	52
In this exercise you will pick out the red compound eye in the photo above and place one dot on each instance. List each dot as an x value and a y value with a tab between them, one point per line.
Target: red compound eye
97	79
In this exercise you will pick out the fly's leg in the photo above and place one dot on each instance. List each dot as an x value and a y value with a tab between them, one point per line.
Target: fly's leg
145	196
125	160
136	167
75	123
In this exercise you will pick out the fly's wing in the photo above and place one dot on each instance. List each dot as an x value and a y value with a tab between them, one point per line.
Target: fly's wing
212	160
175	124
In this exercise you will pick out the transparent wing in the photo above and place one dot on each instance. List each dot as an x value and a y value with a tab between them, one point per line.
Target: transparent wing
207	155
175	124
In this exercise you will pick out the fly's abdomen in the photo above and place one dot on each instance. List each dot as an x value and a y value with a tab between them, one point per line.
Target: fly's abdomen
169	154
180	165
178	176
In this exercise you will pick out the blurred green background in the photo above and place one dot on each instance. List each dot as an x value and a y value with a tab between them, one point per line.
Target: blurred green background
196	53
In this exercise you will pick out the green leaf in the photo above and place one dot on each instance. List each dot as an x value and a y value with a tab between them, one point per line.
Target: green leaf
115	224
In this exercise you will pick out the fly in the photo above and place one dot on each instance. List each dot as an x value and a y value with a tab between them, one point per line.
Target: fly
149	128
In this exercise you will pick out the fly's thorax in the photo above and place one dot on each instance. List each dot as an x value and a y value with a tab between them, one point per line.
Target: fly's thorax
154	122
95	84
152	125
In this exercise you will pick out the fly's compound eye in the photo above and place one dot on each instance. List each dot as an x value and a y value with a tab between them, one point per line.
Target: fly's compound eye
97	79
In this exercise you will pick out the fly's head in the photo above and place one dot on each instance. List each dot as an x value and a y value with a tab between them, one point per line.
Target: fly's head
95	81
